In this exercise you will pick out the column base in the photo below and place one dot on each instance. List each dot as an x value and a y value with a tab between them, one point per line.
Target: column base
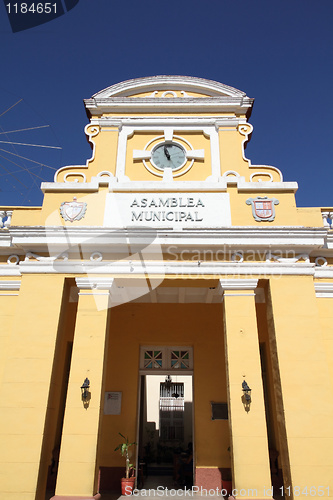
76	497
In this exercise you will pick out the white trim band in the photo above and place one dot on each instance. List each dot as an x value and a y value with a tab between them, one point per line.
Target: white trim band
10	285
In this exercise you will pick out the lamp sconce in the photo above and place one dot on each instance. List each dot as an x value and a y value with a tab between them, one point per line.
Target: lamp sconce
168	382
85	394
246	398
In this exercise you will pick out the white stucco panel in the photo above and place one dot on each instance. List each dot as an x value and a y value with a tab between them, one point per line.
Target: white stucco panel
180	210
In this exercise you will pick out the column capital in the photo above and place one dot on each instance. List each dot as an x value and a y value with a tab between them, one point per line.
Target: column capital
94	283
10	285
238	284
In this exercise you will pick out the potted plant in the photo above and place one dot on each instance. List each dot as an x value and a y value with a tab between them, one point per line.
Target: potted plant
127	483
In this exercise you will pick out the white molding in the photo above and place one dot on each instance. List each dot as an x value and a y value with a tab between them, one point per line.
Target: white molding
159	123
94	283
5	239
70	186
65	168
270	256
214	182
10	285
16	257
246	129
161	186
82	174
299	239
323	272
133	269
238	284
29	255
213	134
250	294
10	270
177	105
266	186
261	173
324	290
329	240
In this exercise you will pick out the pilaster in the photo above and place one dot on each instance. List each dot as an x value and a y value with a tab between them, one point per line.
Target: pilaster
250	459
78	466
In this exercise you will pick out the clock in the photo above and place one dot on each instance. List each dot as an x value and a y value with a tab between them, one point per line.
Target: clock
168	155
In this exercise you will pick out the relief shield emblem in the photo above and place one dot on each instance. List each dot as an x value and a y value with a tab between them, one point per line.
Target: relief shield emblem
73	210
263	208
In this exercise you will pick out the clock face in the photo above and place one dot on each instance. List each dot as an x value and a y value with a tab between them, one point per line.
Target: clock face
168	155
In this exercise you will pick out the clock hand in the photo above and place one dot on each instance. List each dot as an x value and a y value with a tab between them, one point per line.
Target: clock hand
166	152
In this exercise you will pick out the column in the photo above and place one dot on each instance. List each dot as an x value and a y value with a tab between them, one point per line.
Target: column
26	385
249	445
78	466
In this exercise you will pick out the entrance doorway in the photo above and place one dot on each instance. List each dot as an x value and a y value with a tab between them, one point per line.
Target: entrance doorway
165	435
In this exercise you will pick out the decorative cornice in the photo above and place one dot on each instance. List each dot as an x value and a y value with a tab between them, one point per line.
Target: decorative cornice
196	269
297	238
10	270
220	97
180	186
184	104
149	122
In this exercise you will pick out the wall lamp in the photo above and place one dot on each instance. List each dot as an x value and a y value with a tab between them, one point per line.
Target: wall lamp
85	390
168	382
246	391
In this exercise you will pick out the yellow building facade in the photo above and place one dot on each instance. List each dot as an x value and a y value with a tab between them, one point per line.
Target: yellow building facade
187	290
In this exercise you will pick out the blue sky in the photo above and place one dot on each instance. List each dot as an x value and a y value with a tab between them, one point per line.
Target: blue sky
279	52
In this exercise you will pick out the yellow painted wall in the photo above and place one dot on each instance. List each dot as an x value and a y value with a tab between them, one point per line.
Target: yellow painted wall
241	213
326	321
26	216
8	302
104	151
310	217
94	215
26	384
305	380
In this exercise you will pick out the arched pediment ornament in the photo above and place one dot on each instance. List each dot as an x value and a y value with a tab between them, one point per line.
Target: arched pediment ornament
169	84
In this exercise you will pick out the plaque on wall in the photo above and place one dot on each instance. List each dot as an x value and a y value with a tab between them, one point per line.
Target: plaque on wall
180	210
112	403
219	411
